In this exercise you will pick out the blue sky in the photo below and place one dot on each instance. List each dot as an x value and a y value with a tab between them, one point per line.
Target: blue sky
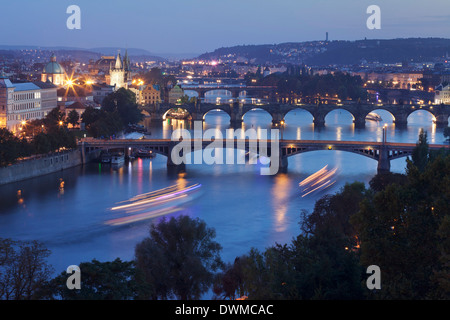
197	26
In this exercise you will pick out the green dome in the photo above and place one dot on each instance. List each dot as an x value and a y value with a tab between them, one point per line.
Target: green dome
53	67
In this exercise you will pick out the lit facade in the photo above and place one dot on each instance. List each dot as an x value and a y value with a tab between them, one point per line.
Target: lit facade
19	103
120	74
53	72
442	95
151	95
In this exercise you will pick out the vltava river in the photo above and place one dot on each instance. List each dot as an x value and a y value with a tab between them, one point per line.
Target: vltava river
80	213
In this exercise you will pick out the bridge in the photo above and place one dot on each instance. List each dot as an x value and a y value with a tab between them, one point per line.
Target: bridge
383	152
262	92
236	111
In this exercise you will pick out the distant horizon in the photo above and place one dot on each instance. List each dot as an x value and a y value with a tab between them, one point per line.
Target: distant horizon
186	54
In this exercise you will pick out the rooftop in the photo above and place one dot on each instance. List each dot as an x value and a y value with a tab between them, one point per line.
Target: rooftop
26	86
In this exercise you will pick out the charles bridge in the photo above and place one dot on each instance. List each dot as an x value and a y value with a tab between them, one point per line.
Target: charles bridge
237	111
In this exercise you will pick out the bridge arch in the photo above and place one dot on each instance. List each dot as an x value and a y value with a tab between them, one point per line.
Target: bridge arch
222	110
328	116
173	108
257	108
385	110
191	93
217	95
291	114
424	114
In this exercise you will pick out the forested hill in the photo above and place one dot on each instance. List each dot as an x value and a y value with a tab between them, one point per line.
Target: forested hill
337	52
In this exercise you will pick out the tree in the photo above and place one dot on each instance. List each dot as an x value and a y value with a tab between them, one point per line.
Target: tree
73	117
179	258
447	133
421	151
23	269
115	280
107	124
11	148
321	263
54	119
382	180
403	229
90	115
123	102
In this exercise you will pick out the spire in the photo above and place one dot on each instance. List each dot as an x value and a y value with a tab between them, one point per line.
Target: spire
126	61
118	62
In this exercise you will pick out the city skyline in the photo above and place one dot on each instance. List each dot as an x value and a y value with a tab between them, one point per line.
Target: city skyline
175	27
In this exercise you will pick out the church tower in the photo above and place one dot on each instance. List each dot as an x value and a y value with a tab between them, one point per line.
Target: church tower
118	73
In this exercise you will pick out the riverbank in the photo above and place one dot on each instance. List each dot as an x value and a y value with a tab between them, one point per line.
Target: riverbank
44	164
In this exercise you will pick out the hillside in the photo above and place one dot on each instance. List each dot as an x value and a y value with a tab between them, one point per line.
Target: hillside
337	52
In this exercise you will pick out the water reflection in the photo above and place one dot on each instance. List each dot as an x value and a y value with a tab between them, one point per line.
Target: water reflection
280	197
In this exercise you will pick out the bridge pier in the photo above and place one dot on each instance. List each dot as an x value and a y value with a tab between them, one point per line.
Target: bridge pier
319	122
277	123
360	122
384	164
400	123
442	120
282	164
236	123
171	166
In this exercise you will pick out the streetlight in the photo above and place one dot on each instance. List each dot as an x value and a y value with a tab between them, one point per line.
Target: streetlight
384	133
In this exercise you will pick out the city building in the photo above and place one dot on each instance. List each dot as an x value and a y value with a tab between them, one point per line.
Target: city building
399	80
19	103
53	72
442	95
49	96
120	73
70	94
100	91
175	94
151	95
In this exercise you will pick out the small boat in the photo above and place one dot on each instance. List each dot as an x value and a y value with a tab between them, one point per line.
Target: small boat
142	153
373	117
117	158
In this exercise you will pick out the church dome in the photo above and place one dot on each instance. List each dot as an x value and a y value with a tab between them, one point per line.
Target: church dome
53	67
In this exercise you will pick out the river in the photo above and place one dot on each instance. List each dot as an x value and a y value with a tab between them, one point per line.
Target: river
71	211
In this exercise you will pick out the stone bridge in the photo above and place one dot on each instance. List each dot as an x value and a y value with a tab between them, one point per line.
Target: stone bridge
383	152
236	111
261	92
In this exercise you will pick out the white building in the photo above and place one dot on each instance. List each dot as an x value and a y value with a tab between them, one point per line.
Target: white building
22	102
442	95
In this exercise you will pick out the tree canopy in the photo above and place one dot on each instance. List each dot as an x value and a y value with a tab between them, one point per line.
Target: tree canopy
179	258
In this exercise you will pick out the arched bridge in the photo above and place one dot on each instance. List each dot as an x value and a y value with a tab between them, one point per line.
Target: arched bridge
383	152
262	92
236	111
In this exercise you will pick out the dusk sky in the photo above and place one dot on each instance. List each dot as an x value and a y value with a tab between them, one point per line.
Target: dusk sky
198	26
